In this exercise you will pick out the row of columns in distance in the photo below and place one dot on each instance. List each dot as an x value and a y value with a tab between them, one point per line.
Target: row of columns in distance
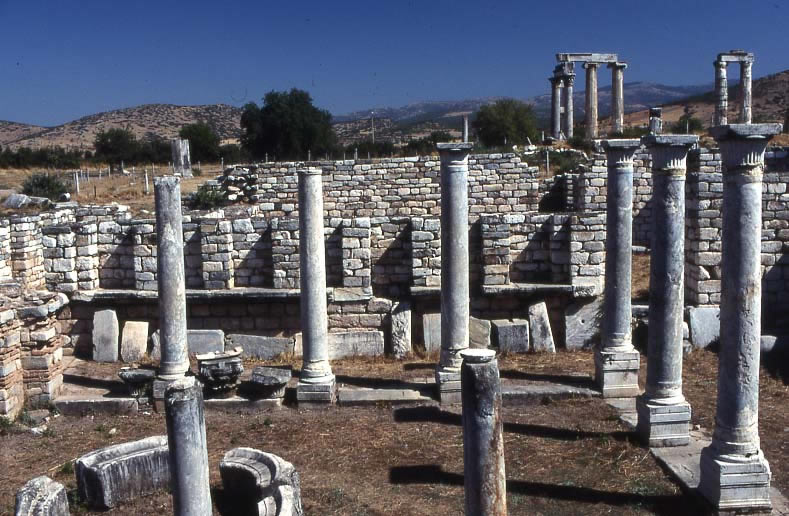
562	97
745	59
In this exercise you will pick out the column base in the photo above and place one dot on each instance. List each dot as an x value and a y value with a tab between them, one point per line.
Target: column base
322	393
663	425
616	373
448	385
735	483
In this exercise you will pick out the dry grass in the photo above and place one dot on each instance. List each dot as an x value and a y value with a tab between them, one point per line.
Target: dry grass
640	277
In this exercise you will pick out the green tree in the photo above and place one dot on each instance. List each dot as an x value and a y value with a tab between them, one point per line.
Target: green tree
505	122
203	142
687	124
116	145
286	127
44	185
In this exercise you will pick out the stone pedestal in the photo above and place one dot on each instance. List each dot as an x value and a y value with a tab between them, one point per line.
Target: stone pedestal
454	267
616	361
591	100
617	96
663	413
316	382
734	473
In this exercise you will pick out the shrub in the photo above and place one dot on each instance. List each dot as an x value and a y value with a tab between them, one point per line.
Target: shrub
206	198
44	185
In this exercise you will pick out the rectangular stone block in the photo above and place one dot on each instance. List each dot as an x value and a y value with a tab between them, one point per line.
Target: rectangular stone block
356	343
511	336
663	425
105	336
582	324
261	346
540	328
134	341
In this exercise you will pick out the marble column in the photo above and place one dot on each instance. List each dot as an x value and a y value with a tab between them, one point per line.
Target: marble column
745	88
569	79
663	413
316	382
735	475
721	116
485	479
465	128
556	106
454	267
617	96
616	360
170	277
591	100
188	448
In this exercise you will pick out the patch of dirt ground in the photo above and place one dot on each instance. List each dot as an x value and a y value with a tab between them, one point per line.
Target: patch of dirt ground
570	456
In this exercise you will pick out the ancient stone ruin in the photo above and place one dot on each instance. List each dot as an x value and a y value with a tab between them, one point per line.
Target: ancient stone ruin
457	257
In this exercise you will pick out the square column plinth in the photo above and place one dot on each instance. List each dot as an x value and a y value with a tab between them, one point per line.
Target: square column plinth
323	393
663	425
448	385
616	373
735	485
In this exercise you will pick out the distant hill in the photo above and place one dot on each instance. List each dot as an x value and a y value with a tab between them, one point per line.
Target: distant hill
161	120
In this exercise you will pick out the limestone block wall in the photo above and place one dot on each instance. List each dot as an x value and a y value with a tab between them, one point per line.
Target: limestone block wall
27	257
426	252
5	250
12	395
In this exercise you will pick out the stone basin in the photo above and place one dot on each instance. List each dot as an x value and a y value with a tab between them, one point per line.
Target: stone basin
138	381
220	372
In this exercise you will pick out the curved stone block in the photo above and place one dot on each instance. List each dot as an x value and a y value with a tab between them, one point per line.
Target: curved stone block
255	479
41	496
123	472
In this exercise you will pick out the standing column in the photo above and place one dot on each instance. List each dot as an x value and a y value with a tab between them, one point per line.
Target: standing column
617	96
722	94
663	413
745	86
485	479
591	100
556	106
316	383
170	277
734	473
569	79
465	128
454	267
616	361
186	441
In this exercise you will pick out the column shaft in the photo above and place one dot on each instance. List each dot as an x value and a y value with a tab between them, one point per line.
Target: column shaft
556	107
722	93
186	440
616	361
568	106
312	266
485	478
663	414
465	128
617	96
170	277
591	100
734	472
745	87
454	254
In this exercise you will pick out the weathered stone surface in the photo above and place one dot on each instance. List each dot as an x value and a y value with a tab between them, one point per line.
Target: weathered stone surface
16	201
705	325
401	329
261	346
582	324
134	341
511	336
261	483
540	328
354	343
123	472
479	333
205	341
431	329
264	375
105	336
41	496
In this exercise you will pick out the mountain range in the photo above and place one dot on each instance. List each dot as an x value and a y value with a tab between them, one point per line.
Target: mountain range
770	102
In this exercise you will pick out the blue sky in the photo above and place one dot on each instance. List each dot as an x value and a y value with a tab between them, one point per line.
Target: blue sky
62	59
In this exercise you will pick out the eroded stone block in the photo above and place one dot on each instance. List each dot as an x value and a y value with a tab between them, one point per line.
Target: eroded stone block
41	496
540	328
134	341
511	336
105	336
